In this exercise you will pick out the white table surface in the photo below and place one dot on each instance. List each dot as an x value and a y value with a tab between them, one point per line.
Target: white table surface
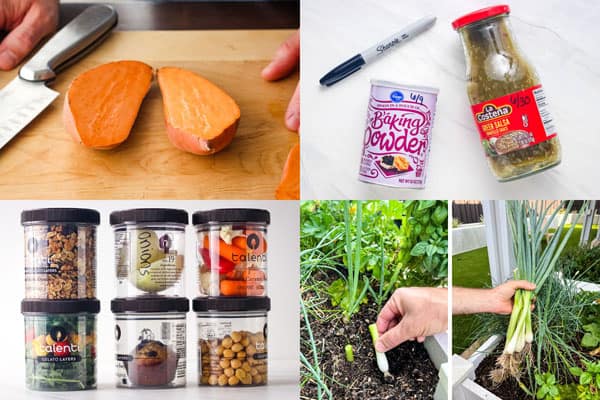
560	38
283	283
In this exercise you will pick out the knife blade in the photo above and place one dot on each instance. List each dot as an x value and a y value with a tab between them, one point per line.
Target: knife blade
26	96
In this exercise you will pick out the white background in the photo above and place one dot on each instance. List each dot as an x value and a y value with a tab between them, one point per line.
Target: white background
283	283
559	37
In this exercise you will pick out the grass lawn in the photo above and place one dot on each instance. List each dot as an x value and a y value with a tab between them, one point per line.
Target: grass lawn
471	269
574	239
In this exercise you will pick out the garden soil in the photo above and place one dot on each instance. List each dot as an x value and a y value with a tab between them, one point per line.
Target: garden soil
507	390
415	376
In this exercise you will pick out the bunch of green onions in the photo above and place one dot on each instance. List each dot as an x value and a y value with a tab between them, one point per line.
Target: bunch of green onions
530	222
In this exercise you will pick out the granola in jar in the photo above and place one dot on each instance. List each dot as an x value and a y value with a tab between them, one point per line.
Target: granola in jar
60	253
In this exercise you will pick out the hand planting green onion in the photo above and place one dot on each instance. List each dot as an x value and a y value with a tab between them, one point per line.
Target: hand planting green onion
382	361
349	353
530	222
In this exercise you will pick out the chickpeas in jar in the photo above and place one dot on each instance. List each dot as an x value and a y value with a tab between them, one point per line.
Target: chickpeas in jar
232	341
232	251
509	104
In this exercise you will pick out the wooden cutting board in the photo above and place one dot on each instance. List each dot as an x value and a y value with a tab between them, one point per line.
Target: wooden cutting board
44	162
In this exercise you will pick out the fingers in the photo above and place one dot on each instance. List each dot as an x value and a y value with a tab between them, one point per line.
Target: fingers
526	285
292	115
286	59
36	24
391	313
393	337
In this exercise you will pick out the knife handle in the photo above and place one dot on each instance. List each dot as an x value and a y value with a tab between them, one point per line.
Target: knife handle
77	36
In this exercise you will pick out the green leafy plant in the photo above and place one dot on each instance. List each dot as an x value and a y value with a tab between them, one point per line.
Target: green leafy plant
591	338
429	223
582	262
589	380
547	387
368	246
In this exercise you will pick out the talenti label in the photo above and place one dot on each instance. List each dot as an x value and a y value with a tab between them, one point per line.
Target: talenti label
515	121
398	135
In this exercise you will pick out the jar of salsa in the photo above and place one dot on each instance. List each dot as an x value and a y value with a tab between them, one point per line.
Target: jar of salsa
508	102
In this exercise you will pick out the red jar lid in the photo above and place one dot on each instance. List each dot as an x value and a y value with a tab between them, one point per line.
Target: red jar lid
478	15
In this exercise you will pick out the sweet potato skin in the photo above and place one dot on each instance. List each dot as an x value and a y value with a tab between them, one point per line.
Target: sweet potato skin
189	141
68	114
196	145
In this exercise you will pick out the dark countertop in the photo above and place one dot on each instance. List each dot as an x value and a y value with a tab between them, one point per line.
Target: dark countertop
150	15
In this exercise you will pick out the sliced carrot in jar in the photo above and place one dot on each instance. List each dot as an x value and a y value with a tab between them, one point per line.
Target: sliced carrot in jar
241	288
228	251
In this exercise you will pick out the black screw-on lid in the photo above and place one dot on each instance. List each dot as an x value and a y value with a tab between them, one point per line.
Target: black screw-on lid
150	304
75	215
91	306
148	215
232	215
231	304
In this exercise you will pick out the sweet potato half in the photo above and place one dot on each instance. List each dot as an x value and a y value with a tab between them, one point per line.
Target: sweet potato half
201	118
102	103
289	187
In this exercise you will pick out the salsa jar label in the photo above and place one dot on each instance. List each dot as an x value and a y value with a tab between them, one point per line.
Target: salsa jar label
515	121
398	135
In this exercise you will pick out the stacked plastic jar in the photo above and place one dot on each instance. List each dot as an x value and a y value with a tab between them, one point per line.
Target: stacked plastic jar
233	304
150	307
60	304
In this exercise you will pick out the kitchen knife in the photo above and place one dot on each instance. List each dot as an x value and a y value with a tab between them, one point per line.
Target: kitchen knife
27	95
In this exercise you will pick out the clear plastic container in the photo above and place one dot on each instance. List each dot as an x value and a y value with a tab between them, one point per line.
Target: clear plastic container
508	101
60	344
60	253
149	251
232	251
232	340
150	334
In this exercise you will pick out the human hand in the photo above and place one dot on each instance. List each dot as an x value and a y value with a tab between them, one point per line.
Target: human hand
501	298
412	313
27	22
284	63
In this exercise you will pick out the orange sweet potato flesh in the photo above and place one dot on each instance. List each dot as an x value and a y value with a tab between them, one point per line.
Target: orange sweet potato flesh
200	117
102	103
289	187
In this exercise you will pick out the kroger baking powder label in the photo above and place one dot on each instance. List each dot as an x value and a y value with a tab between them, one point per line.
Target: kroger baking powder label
398	135
515	121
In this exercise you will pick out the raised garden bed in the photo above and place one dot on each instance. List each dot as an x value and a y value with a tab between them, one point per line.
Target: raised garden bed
415	375
353	256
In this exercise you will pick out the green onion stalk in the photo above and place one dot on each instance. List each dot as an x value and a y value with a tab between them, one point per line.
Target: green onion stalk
536	252
382	361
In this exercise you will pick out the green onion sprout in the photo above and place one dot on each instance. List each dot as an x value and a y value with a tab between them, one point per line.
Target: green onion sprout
349	353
